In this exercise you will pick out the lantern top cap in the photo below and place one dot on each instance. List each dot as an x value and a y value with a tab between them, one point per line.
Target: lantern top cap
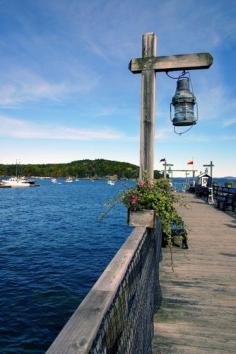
149	33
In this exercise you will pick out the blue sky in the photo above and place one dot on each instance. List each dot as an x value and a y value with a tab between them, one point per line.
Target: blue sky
66	92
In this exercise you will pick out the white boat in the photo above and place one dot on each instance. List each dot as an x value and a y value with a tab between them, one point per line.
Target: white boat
111	183
53	180
69	180
18	182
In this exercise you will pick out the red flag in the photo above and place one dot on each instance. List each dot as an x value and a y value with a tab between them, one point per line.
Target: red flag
190	162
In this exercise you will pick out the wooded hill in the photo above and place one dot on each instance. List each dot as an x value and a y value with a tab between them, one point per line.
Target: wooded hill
82	169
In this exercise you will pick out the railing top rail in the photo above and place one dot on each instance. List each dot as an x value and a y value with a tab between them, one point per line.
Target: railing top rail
223	189
80	331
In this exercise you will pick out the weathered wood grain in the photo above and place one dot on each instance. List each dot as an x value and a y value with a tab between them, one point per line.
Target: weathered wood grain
79	332
171	63
198	313
144	218
148	97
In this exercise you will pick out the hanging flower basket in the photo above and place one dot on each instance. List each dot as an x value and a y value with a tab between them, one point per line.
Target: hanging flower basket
145	218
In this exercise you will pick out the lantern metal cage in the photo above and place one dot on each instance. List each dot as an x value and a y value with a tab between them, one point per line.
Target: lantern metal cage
184	103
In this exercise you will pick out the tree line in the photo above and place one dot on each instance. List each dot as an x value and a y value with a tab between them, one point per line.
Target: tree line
98	168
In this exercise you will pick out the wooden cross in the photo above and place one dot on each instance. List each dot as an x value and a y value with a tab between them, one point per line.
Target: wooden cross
148	65
211	168
165	164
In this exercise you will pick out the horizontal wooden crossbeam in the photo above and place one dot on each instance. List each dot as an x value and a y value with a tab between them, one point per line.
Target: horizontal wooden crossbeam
171	63
182	170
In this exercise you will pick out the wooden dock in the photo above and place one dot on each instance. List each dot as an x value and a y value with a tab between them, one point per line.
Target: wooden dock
198	312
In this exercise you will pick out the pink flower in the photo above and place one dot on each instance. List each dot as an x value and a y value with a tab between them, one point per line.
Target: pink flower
133	199
141	184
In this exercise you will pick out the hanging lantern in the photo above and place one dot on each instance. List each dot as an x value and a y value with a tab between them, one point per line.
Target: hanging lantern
183	102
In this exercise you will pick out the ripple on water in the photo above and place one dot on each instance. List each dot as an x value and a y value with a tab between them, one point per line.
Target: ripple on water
52	251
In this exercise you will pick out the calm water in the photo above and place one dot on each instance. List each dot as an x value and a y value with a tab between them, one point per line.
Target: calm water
52	251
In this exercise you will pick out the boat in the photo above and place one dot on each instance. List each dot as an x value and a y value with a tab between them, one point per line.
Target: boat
69	179
18	182
53	180
3	185
111	183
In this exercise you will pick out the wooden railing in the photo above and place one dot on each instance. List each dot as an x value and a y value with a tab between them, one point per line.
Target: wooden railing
117	314
224	198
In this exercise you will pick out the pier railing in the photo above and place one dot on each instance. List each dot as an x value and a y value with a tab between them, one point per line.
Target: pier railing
117	314
223	197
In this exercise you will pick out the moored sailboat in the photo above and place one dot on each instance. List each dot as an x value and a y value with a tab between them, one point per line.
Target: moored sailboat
17	182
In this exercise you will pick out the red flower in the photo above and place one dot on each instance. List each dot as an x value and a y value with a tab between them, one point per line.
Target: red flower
133	199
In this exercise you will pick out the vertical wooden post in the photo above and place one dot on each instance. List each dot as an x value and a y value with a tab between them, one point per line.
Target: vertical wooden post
211	169
193	176
165	165
148	65
148	89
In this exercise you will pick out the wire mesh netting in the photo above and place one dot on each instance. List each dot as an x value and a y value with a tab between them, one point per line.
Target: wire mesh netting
127	327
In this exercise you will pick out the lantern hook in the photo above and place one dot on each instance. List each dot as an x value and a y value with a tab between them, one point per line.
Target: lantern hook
184	72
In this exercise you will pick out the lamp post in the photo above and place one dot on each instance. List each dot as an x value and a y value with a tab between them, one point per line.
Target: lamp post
147	66
211	194
211	168
165	164
186	176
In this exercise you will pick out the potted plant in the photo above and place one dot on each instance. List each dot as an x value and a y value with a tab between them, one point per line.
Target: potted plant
147	200
139	203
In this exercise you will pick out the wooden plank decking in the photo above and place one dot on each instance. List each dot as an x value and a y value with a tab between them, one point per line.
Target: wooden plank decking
198	313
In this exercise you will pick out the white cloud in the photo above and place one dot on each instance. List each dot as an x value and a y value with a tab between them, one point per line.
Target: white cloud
210	26
163	133
21	85
12	95
230	122
21	129
208	138
215	101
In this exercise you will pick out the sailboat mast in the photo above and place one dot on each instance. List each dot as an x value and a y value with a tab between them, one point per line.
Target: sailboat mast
16	170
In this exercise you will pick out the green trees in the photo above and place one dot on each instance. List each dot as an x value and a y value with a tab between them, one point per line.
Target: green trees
82	169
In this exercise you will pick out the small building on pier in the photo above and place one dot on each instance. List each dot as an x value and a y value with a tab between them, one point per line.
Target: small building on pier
204	180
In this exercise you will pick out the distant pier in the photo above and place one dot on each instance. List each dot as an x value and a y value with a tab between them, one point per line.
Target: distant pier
198	312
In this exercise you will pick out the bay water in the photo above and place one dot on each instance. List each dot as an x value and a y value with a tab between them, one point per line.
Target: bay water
54	244
53	247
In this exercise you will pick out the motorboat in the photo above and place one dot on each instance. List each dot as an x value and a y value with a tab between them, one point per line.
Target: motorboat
53	180
111	183
18	182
